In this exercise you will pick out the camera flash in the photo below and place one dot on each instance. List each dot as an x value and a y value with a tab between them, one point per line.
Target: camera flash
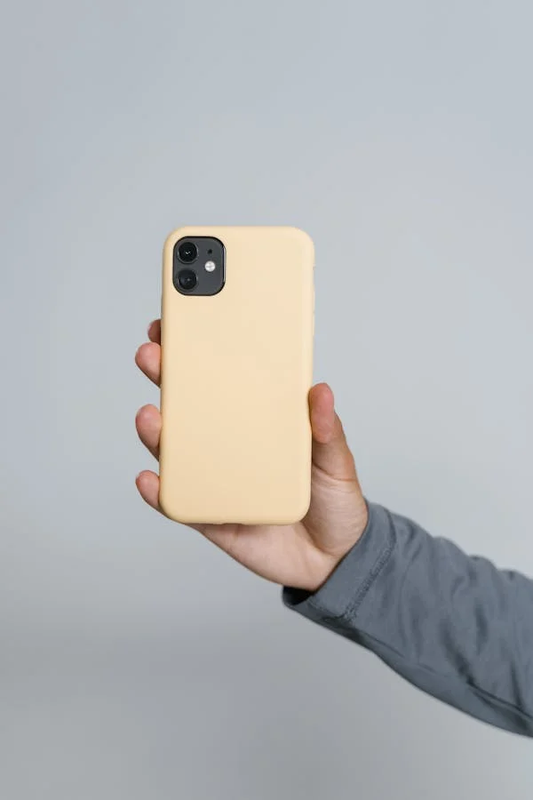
210	266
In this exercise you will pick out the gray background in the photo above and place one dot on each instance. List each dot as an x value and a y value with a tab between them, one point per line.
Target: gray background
137	661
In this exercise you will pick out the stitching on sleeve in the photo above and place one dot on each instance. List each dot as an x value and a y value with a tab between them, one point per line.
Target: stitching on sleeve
352	607
372	575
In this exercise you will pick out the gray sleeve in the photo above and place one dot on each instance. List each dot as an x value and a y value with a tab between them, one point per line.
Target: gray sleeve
453	625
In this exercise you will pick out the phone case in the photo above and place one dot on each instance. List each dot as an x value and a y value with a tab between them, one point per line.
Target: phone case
236	373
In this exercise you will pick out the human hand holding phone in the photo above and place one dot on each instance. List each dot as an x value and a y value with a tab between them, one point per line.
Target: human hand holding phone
304	554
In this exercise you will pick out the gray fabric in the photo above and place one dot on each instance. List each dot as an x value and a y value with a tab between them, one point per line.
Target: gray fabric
453	625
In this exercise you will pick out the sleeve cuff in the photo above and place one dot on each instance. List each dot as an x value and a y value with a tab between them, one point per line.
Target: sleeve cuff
343	592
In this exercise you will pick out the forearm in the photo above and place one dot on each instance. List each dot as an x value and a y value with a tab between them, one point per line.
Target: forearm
453	625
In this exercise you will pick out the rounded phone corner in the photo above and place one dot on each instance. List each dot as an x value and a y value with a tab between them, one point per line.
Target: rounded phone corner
303	236
174	236
171	239
167	507
295	515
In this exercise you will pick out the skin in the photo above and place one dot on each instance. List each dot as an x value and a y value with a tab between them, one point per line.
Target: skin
302	555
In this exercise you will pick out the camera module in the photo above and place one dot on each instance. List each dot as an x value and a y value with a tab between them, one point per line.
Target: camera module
198	265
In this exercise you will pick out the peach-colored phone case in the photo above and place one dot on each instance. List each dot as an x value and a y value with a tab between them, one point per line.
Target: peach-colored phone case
236	372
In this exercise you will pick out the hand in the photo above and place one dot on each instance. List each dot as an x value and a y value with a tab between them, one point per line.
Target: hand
301	555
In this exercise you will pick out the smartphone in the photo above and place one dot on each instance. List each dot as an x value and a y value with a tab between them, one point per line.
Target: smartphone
237	338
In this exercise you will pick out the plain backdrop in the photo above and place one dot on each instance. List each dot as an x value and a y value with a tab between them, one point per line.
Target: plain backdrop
137	662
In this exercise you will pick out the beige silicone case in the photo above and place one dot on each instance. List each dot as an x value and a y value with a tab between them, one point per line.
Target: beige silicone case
236	372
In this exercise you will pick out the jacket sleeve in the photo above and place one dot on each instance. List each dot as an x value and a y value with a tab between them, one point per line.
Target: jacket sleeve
453	625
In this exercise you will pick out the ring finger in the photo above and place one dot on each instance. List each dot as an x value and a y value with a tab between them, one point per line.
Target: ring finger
148	424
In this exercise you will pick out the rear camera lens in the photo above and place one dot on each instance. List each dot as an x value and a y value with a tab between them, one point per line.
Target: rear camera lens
187	279
187	252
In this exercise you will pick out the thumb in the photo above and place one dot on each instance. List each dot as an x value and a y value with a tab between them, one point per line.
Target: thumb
331	453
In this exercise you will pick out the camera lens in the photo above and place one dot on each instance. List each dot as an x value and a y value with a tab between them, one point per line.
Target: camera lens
187	252
187	279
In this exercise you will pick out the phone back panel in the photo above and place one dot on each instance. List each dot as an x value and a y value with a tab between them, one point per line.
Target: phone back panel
236	372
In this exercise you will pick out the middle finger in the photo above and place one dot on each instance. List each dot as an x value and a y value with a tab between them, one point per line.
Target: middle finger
148	359
148	424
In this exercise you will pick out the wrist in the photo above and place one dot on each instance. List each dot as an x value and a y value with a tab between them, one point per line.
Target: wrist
331	557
